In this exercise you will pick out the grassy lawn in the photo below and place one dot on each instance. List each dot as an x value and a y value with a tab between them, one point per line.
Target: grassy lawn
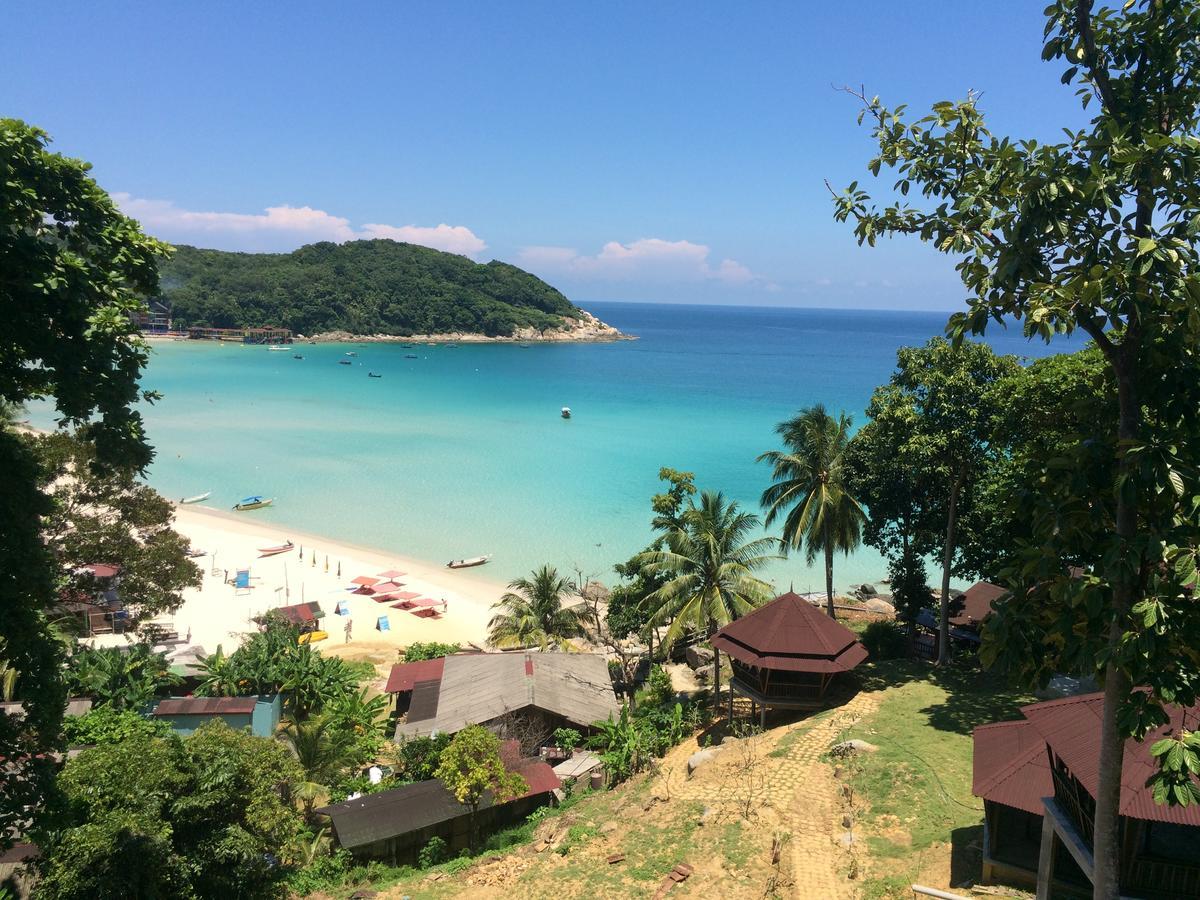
912	798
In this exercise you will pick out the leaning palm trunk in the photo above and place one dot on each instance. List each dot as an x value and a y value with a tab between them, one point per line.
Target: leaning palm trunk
712	630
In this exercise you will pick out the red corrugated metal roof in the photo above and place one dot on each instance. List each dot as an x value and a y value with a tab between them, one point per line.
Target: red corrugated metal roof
299	613
789	633
404	675
1004	758
538	775
99	570
977	603
205	706
1010	765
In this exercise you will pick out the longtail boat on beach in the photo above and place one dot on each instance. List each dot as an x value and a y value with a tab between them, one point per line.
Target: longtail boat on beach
275	551
197	498
468	563
254	502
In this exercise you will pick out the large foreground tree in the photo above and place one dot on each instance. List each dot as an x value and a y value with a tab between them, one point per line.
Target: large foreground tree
72	268
809	490
1099	233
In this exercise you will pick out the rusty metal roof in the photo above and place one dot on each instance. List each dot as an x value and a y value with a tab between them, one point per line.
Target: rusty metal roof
1008	767
976	603
205	706
404	675
791	634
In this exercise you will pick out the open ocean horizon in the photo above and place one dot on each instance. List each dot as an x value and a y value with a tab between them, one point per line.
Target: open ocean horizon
462	451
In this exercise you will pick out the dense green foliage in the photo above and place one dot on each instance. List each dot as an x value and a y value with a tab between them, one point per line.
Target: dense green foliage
121	677
629	743
271	661
364	287
1099	232
884	640
929	438
71	268
155	817
110	725
809	489
420	650
107	515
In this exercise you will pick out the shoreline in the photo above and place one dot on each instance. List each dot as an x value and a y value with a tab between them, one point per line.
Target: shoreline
218	614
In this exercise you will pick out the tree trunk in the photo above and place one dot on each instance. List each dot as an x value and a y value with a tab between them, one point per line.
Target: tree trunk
947	555
1106	841
829	580
716	671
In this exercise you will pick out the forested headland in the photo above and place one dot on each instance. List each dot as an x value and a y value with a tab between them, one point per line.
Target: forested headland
365	288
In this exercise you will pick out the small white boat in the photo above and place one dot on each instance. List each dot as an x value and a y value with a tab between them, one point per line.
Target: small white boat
197	498
351	353
254	502
566	412
279	347
468	563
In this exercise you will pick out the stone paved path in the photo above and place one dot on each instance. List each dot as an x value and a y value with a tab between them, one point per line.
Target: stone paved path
794	787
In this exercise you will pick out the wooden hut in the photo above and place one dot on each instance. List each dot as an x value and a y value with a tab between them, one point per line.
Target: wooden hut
1038	778
785	654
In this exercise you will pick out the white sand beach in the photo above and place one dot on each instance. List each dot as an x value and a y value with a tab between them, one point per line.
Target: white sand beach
218	614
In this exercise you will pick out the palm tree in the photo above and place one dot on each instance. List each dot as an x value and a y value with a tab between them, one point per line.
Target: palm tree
809	489
318	748
532	612
710	564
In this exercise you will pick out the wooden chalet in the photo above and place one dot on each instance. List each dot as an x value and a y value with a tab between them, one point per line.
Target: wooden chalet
785	654
394	825
1038	778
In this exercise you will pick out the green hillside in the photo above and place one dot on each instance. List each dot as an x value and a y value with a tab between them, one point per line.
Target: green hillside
363	287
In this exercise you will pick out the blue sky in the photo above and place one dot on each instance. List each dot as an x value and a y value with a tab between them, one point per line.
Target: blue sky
624	151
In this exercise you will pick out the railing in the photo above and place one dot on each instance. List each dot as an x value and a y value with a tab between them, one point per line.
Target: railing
1172	879
1080	809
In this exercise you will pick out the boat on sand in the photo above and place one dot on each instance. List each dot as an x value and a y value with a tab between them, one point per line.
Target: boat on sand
468	563
275	551
197	498
255	501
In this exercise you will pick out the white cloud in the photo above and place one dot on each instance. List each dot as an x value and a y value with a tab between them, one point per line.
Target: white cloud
283	228
647	259
451	238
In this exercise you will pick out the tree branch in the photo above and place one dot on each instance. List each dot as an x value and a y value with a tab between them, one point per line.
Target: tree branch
1099	74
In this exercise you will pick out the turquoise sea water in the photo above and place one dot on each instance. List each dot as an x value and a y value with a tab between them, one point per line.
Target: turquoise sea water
462	451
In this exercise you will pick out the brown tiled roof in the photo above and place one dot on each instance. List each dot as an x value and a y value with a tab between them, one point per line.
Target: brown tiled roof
1009	770
404	675
1010	765
205	706
977	603
791	634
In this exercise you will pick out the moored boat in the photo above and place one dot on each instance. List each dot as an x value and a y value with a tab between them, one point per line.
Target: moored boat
297	356
197	498
343	362
468	563
410	356
566	412
278	347
275	551
373	375
256	501
351	353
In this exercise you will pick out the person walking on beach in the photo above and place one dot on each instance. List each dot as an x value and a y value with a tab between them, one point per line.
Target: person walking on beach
349	622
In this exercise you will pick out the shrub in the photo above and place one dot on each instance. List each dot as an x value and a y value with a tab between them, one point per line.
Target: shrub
108	725
323	874
434	852
567	738
659	689
885	640
417	651
418	758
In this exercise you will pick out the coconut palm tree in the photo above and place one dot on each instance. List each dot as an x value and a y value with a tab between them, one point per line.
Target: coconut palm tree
532	612
809	489
709	562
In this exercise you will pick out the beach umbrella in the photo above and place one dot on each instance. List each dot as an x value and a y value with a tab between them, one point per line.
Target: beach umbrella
339	568
326	562
392	573
364	580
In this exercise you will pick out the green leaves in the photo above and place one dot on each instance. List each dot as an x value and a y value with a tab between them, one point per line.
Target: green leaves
1178	757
